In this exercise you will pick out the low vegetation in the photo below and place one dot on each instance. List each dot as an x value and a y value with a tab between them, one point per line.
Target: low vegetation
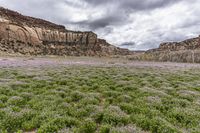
90	99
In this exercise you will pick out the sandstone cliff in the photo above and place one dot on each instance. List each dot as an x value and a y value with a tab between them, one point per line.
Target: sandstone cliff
32	36
189	44
185	51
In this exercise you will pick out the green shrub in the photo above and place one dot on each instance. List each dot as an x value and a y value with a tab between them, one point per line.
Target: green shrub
124	98
77	95
155	125
115	116
56	124
16	100
141	121
105	128
186	118
88	126
27	96
89	100
3	98
13	120
124	129
1	104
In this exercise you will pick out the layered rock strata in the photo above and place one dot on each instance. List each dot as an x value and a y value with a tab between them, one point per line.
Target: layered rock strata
189	44
32	36
185	51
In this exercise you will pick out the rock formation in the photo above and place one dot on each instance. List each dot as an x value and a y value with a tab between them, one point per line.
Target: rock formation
32	36
185	51
189	44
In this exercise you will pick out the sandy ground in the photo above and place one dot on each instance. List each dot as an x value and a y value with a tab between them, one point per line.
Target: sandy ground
87	61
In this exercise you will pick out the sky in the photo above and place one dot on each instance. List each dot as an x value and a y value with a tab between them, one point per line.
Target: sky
132	24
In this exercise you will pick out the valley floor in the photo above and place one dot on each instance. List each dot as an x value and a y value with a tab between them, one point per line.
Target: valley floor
86	95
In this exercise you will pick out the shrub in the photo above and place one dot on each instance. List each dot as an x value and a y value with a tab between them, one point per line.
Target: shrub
105	129
77	95
155	125
27	96
13	120
115	116
89	100
15	100
185	118
88	126
1	104
3	98
58	123
124	98
124	129
29	125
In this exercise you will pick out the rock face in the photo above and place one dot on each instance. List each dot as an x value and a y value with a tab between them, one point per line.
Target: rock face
185	51
190	44
32	36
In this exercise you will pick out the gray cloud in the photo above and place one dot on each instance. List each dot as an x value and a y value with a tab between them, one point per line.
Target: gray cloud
135	5
134	24
128	44
98	2
103	22
146	4
121	9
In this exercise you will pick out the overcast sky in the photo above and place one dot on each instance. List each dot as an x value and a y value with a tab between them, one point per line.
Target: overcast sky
133	24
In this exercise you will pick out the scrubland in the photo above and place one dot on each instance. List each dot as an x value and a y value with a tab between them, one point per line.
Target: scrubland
105	98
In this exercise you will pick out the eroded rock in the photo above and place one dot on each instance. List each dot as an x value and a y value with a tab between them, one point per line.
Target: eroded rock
185	51
32	36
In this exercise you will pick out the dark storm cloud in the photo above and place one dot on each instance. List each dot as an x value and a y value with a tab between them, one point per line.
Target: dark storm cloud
137	5
120	11
99	2
128	44
142	5
134	24
104	21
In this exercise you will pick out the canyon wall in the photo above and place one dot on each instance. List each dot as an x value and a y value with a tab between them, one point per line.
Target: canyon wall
184	51
189	44
32	36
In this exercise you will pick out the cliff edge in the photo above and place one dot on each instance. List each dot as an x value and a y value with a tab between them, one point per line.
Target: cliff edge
184	51
32	36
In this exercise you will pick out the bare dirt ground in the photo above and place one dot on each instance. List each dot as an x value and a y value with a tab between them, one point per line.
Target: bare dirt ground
88	61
